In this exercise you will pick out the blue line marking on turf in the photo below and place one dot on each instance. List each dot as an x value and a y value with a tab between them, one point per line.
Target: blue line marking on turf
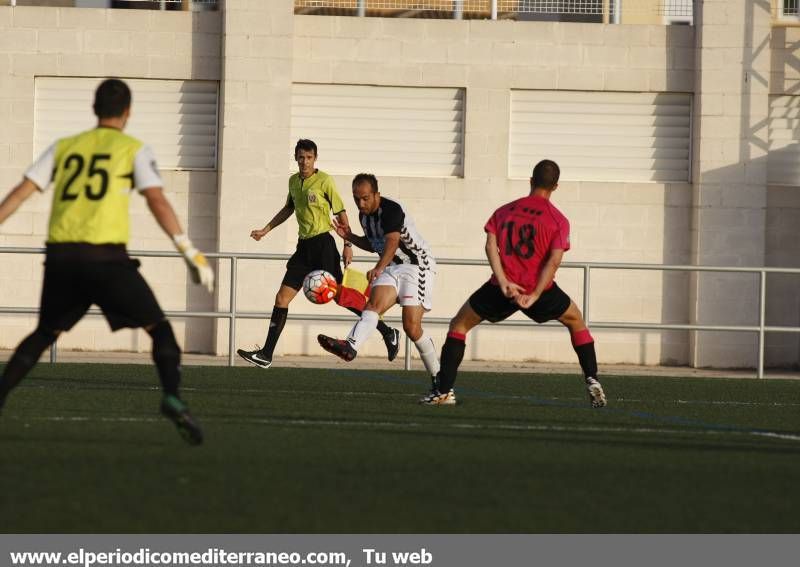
647	416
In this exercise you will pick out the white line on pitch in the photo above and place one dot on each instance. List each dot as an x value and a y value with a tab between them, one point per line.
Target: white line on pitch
418	425
507	397
477	394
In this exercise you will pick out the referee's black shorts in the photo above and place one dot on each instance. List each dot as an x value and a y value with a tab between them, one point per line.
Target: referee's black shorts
315	253
490	303
78	275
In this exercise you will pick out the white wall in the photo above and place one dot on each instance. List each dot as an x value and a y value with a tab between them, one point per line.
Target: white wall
616	222
39	41
257	50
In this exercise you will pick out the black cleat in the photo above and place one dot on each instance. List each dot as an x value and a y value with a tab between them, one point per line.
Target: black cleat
255	357
340	348
392	340
174	409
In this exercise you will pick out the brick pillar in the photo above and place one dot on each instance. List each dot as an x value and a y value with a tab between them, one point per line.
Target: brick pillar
255	112
729	173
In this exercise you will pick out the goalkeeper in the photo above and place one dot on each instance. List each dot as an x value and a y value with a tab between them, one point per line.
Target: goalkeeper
92	175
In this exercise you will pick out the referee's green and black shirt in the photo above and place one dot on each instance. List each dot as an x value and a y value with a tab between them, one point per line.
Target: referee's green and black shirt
314	199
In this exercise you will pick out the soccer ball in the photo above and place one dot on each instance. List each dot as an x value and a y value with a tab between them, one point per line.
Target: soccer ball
319	286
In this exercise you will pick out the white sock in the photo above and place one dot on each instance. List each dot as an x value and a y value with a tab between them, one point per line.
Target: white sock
363	329
427	352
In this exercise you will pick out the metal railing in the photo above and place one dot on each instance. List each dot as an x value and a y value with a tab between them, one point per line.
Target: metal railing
607	11
187	5
233	314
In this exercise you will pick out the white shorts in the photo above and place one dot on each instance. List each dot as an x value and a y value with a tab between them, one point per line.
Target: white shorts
414	284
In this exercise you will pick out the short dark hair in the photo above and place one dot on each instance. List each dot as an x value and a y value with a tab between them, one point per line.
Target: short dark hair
307	145
546	174
366	178
111	99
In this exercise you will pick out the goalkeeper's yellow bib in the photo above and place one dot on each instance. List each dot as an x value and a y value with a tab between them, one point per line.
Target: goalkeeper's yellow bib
92	181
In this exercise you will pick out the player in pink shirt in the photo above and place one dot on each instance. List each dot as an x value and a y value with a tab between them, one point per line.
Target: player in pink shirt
525	242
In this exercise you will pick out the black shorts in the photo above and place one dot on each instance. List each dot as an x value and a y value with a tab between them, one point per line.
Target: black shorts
315	253
490	303
106	276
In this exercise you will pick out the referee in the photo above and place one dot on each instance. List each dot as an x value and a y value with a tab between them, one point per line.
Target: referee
92	175
312	198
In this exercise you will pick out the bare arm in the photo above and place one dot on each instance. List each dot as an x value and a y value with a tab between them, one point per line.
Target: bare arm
392	243
340	219
545	278
361	242
279	218
16	197
166	218
162	211
510	289
347	234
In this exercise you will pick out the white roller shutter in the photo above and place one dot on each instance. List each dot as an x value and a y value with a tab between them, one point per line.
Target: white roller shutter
602	136
783	160
402	131
178	119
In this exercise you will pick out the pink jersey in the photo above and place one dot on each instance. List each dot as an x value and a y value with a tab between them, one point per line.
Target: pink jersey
527	230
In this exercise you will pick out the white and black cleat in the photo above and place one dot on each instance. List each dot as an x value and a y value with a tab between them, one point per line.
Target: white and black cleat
255	357
596	395
436	398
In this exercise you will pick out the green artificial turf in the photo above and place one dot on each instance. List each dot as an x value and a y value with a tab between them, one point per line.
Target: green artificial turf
84	450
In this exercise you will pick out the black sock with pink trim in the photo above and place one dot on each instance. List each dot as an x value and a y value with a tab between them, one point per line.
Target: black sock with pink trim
452	355
583	343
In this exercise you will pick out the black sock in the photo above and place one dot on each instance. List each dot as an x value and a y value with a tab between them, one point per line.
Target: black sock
276	324
452	355
167	357
587	359
24	358
383	328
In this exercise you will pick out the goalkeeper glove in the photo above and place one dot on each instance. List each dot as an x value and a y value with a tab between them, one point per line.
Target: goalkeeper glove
199	269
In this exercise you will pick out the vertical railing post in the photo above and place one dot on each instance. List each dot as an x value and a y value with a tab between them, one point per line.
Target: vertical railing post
54	352
617	15
586	294
407	355
458	9
762	316
232	305
494	9
362	8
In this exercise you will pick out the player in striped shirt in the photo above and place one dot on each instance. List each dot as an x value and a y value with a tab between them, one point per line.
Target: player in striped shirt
404	272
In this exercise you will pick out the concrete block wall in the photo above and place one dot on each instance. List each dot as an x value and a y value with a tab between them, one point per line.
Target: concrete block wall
615	222
47	41
258	49
783	215
254	150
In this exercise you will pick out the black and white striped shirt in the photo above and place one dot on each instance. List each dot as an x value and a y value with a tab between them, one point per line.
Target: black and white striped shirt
392	217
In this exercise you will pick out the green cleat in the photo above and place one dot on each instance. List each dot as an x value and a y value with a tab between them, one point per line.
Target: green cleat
174	409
